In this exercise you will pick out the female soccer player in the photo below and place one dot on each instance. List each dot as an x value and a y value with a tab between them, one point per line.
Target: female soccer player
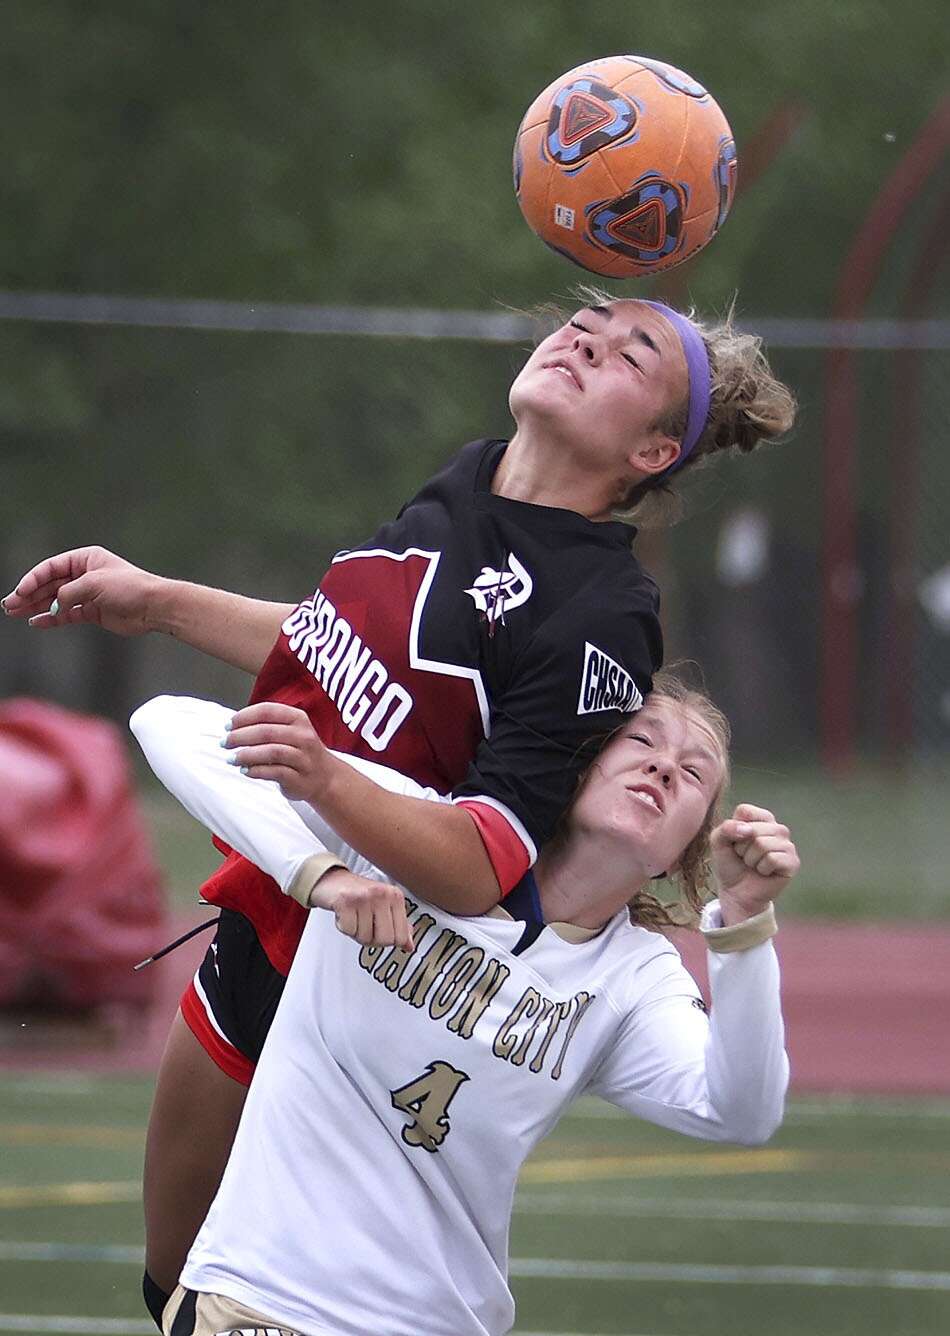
476	643
403	1088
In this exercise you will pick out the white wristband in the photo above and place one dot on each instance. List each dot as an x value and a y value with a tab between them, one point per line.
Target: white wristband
740	936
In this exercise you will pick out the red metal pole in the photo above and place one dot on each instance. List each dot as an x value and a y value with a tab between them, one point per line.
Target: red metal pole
761	150
758	154
764	146
841	575
901	616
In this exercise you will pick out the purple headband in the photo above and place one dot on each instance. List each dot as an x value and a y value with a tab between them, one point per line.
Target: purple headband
697	370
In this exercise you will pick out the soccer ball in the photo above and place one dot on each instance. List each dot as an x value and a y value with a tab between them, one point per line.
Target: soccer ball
625	165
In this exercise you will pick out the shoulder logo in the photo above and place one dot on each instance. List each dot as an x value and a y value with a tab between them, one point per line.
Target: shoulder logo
605	685
496	592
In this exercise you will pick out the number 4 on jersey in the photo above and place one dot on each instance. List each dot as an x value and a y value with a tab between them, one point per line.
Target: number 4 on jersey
426	1100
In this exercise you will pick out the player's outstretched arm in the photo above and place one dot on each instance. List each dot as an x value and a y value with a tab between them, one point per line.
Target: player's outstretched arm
91	584
181	739
725	1078
433	849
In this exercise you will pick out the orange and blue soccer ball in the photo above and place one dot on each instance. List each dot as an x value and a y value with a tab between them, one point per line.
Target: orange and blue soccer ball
625	165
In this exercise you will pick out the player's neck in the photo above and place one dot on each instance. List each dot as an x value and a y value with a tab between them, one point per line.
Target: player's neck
580	882
531	470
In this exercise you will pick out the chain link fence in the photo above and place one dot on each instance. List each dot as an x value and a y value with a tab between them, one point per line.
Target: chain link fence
225	454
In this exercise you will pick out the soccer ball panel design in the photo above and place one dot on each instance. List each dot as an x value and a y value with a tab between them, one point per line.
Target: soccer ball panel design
676	80
529	148
565	219
626	165
726	175
586	115
705	129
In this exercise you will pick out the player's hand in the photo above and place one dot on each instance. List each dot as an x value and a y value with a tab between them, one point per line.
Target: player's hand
278	742
754	859
374	912
88	584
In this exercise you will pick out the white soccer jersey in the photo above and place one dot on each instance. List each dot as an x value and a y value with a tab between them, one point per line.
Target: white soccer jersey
370	1185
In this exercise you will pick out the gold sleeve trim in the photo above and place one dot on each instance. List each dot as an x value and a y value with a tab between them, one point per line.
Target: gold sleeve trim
740	936
308	874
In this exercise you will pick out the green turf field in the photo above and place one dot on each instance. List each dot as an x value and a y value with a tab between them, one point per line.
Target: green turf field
838	1228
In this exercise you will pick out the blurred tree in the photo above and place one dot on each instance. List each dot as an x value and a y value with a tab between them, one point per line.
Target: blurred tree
318	152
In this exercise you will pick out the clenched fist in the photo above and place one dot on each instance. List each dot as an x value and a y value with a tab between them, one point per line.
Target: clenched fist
754	859
374	912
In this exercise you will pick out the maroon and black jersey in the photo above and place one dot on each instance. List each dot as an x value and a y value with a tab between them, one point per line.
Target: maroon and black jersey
478	644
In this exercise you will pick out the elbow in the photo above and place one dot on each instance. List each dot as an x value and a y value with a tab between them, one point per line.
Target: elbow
754	1120
757	1134
755	1127
479	894
144	722
150	724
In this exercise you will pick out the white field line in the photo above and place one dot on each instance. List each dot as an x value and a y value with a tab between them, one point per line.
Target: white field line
71	1252
67	1083
916	1107
855	1107
792	1213
822	1277
834	1106
120	1326
567	1268
94	1326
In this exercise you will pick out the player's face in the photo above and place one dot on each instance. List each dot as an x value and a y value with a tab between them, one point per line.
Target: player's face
605	382
652	785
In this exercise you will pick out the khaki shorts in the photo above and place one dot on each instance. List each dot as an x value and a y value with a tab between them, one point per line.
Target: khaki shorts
191	1314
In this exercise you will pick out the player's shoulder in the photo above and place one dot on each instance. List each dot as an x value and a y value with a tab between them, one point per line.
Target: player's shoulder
620	603
622	586
433	517
639	961
603	576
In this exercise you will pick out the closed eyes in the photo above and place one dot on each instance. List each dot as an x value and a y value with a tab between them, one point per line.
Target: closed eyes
576	324
647	742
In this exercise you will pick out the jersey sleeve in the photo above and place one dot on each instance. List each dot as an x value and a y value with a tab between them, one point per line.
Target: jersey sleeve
585	669
721	1077
181	738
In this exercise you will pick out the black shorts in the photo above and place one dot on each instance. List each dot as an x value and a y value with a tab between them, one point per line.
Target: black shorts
230	1003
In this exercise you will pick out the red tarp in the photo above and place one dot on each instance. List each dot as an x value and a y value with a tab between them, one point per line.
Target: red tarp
81	896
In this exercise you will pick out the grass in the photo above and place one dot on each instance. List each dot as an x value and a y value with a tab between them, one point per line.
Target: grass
182	846
853	1199
874	846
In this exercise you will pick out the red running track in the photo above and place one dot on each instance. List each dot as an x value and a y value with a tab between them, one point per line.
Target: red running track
867	1009
867	1005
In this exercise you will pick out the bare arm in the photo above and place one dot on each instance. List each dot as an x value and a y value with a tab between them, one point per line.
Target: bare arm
181	739
91	584
232	627
432	848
